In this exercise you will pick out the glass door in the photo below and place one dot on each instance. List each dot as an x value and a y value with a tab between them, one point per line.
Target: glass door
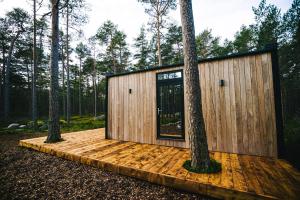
170	112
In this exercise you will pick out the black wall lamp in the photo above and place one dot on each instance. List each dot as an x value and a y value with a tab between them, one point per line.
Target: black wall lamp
222	83
129	91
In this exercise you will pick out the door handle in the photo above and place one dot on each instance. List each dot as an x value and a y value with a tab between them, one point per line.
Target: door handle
158	111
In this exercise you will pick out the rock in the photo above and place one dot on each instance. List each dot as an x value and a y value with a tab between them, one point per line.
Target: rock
101	117
13	126
22	126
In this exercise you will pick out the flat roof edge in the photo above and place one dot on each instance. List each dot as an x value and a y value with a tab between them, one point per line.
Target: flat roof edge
268	49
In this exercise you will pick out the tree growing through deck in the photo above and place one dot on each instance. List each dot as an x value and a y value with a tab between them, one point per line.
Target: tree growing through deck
54	129
196	128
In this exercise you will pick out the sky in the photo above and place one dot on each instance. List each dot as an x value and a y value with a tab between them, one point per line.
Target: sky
224	17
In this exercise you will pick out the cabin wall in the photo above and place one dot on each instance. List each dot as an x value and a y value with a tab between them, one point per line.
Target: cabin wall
239	116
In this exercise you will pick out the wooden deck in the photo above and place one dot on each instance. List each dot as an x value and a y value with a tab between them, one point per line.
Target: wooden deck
242	176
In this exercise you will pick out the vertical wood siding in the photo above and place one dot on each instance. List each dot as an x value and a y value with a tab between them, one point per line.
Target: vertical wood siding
239	117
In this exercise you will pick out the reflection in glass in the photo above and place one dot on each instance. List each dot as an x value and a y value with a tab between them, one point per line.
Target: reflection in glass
170	105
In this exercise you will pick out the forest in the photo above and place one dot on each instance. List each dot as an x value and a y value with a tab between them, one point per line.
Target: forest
83	64
74	124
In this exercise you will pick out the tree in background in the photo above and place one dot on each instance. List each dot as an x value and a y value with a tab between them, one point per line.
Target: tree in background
244	39
142	50
158	10
63	58
34	69
4	48
153	58
267	27
122	51
207	45
17	21
82	51
172	48
53	128
289	61
113	41
74	12
92	43
196	127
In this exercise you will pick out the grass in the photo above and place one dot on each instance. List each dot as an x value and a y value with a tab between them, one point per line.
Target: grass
77	123
81	123
214	167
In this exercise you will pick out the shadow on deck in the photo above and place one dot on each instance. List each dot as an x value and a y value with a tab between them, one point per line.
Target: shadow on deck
242	176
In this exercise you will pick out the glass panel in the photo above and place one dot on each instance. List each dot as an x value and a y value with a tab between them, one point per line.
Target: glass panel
169	75
170	110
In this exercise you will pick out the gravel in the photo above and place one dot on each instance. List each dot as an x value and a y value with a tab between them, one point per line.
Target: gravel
27	174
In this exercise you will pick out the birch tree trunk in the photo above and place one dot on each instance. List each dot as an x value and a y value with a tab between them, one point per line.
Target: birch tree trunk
196	127
33	87
53	129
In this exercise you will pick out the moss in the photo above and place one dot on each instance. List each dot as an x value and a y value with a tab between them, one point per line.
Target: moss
214	167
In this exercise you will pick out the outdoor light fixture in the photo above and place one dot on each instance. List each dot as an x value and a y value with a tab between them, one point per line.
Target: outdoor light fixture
129	91
221	82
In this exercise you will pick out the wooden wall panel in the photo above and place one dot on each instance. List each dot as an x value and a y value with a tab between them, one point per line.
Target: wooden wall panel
239	117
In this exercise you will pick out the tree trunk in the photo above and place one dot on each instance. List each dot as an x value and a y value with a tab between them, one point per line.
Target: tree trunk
95	87
33	87
196	126
29	84
2	78
68	70
79	88
7	78
63	82
158	43
54	130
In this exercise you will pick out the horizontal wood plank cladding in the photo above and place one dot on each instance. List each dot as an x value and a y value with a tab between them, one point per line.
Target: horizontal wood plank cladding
239	116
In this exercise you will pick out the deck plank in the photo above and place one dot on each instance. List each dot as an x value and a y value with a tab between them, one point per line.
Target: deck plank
242	176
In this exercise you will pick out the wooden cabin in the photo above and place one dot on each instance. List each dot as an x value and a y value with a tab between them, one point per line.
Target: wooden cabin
240	100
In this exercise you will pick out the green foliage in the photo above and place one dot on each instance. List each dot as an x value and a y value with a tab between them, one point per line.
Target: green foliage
116	53
82	50
207	44
142	50
268	24
244	39
214	167
292	141
82	123
172	48
77	124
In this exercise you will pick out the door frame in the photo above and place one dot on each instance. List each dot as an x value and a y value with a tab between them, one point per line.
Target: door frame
158	83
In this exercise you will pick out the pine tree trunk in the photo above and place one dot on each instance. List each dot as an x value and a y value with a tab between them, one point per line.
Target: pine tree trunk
196	127
68	70
79	89
95	88
2	81
33	87
158	42
54	129
63	82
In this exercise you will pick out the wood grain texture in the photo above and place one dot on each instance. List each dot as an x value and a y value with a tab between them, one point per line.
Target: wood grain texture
242	176
239	117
